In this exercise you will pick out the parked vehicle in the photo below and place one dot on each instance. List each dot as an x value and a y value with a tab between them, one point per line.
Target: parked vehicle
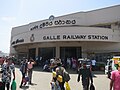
111	65
100	66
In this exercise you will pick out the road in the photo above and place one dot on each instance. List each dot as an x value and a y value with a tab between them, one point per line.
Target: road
42	81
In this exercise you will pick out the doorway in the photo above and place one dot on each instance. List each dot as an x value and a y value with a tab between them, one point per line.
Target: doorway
32	53
69	52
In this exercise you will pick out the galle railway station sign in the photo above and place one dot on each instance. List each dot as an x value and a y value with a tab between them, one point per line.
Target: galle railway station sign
66	37
62	22
76	37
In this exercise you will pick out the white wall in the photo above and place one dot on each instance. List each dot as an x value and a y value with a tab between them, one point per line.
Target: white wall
19	30
107	15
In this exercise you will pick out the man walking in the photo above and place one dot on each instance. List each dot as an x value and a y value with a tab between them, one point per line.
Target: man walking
23	70
86	75
61	76
30	69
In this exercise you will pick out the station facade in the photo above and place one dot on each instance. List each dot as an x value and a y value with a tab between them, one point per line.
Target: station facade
88	34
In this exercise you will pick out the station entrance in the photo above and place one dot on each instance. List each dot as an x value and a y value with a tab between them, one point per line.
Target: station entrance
70	52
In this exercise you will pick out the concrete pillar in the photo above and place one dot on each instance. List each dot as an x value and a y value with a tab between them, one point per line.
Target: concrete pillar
57	51
84	55
36	52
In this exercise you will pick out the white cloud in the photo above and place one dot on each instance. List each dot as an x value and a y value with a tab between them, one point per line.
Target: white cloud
8	19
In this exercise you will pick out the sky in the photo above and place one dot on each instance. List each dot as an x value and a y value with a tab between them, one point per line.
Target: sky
15	13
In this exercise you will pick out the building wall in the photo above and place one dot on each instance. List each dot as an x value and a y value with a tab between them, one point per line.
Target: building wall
79	24
107	15
100	16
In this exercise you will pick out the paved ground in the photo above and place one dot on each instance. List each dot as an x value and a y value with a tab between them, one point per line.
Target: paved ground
42	81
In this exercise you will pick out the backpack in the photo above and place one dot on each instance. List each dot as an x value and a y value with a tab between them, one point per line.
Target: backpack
66	76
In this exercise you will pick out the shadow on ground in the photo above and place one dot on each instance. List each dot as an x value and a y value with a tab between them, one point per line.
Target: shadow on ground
25	87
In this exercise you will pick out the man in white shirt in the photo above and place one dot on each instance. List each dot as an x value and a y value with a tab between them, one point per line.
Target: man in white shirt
93	64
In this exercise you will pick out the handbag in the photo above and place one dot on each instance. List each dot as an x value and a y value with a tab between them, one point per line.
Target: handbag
26	79
92	87
13	85
67	86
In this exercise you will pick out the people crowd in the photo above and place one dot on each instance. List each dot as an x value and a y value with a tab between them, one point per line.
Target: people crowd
8	71
68	63
60	76
56	66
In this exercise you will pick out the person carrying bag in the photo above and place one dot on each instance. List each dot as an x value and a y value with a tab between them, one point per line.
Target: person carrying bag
13	85
86	75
